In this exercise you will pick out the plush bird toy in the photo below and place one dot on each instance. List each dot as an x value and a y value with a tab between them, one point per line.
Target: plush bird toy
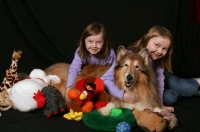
89	93
51	100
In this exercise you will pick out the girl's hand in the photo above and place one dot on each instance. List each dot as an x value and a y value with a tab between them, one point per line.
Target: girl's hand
169	108
129	99
66	98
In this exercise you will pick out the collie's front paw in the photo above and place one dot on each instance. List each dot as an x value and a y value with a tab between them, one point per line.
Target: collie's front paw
129	106
104	111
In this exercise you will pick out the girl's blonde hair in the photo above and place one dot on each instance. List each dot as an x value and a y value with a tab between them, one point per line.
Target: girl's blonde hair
156	31
91	30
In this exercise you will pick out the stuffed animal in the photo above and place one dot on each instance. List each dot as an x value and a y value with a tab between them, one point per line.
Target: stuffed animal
21	94
150	121
54	102
8	81
90	94
171	119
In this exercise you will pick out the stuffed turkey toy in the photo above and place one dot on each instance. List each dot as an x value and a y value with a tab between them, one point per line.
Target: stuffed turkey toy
21	94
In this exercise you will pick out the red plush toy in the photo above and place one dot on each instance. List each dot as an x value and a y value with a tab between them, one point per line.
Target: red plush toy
89	93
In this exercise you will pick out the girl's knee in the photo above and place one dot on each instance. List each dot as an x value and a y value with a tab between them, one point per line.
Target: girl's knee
170	97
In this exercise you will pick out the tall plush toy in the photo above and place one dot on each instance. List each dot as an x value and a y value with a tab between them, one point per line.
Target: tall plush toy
89	93
54	102
8	81
21	94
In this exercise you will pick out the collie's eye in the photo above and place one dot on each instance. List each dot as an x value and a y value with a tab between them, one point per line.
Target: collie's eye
136	66
126	65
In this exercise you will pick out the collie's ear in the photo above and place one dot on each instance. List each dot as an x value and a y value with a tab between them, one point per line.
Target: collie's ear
144	53
121	51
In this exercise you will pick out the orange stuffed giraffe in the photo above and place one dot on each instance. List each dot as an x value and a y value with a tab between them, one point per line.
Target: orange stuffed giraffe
8	81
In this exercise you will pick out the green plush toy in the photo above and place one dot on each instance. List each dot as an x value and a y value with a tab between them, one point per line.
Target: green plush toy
97	121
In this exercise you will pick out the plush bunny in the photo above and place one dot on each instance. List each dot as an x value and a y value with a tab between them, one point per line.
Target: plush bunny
21	94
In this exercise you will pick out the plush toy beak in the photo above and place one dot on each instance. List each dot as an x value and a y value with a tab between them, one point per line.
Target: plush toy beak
83	95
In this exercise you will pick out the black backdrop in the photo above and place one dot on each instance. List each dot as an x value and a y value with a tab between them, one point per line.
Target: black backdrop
47	31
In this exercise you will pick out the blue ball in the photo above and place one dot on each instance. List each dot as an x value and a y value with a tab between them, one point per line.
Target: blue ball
123	127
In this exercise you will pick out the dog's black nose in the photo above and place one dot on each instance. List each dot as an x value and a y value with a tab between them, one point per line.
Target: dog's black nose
129	77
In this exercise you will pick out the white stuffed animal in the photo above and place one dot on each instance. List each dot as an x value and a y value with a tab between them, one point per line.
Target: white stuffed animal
21	94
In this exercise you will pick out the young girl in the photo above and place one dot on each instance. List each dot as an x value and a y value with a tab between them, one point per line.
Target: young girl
158	40
95	49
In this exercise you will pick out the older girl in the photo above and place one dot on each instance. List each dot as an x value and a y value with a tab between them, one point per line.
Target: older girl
158	40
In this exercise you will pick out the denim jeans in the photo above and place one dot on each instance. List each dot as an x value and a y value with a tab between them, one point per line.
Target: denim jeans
176	88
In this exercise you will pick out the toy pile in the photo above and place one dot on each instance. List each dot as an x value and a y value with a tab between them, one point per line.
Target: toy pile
22	92
86	98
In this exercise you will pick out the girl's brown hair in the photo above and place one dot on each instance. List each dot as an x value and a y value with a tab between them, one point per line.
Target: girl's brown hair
94	29
156	31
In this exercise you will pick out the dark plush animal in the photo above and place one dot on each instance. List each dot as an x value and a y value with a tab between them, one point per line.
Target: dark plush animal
54	101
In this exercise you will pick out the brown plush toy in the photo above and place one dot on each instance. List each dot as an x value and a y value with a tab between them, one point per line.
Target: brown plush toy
150	121
89	94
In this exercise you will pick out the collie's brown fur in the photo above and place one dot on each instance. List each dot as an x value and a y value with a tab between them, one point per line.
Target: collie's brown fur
61	70
134	75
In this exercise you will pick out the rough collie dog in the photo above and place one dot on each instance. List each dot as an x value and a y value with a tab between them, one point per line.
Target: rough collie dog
135	75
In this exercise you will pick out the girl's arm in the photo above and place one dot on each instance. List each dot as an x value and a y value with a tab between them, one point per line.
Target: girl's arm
112	88
160	83
74	69
108	79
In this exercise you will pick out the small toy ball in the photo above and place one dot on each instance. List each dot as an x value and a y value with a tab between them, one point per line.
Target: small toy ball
123	127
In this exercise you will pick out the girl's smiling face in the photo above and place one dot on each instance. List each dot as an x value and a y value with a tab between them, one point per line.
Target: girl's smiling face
158	47
94	44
